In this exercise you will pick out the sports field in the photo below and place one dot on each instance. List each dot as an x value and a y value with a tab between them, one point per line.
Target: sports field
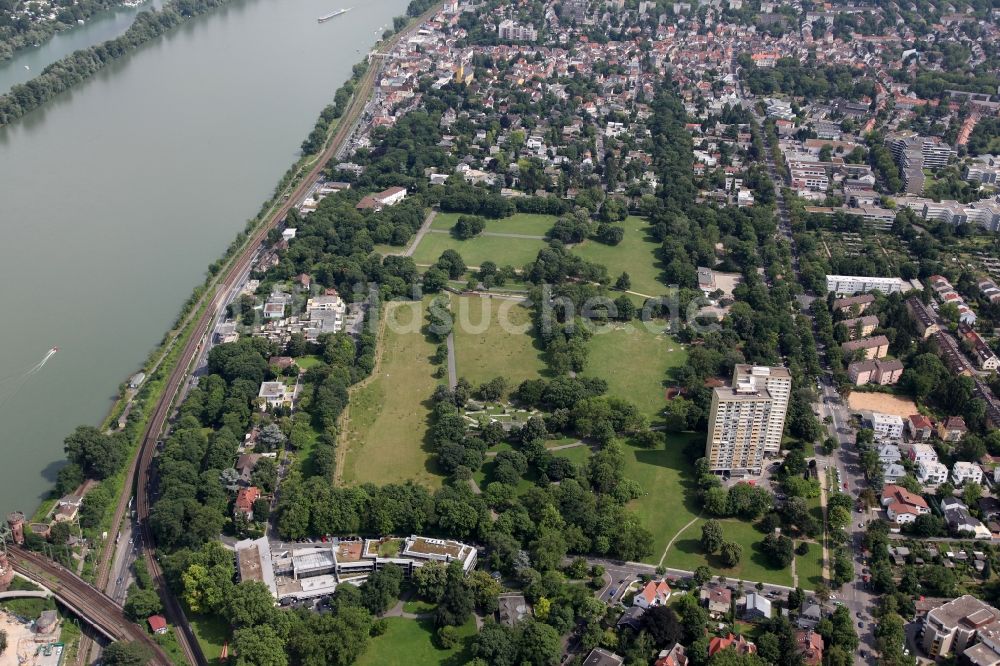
493	338
388	415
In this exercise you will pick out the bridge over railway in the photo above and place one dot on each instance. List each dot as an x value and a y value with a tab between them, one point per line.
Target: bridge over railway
86	602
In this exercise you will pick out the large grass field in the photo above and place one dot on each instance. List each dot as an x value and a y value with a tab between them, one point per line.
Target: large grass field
519	223
809	567
501	250
634	360
667	481
635	255
493	338
387	421
410	643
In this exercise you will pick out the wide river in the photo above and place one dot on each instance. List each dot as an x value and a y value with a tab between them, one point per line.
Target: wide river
116	196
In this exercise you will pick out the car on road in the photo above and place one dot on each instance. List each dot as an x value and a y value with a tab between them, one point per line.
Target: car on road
861	625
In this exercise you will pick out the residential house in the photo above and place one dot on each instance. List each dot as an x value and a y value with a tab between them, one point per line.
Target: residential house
632	618
962	472
901	505
654	593
717	598
874	347
922	452
244	501
810	615
601	657
675	656
919	427
67	508
245	465
274	394
931	473
892	472
731	642
756	607
886	426
809	645
952	429
957	515
981	352
889	453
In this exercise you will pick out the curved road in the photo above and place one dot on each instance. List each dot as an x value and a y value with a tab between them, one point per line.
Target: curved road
140	472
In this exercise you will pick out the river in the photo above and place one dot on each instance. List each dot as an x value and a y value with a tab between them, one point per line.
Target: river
117	195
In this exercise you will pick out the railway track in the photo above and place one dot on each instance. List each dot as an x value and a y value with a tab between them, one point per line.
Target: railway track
139	475
94	607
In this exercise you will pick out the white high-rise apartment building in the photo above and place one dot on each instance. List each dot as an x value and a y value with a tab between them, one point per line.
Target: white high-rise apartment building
778	382
747	419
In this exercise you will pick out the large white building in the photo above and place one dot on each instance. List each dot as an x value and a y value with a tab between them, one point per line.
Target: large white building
962	472
747	419
964	626
846	285
886	426
931	473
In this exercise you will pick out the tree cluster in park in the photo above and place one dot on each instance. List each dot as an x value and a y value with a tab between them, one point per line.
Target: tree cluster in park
83	64
809	80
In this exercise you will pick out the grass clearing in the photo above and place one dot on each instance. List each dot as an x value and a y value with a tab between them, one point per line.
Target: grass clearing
501	250
634	359
667	481
307	362
211	631
635	255
387	421
410	643
493	338
528	224
809	567
686	553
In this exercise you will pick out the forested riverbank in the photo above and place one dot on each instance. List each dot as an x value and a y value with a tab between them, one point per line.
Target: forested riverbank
18	32
83	64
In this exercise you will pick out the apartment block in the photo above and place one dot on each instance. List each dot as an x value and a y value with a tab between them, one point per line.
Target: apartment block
845	285
886	426
876	347
959	627
746	420
881	372
860	327
931	473
922	316
962	471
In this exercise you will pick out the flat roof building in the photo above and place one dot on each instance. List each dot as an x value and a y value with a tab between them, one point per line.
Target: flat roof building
746	420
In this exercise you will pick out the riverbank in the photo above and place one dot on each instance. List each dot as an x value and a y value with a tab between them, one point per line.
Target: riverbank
12	41
81	65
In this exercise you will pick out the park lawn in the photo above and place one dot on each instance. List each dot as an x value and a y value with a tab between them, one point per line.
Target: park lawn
211	631
686	554
634	359
418	606
387	418
520	223
500	250
409	642
307	362
577	455
809	567
494	338
635	255
667	481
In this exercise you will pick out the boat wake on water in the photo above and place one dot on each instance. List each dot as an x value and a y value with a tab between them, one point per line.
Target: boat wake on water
12	384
